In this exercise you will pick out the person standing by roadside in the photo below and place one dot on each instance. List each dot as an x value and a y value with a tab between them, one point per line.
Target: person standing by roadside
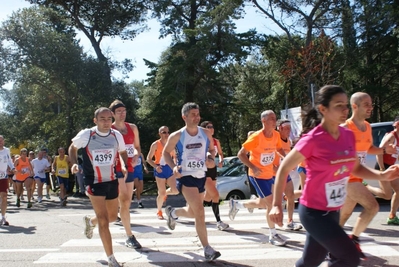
330	154
60	168
130	134
211	192
5	164
101	146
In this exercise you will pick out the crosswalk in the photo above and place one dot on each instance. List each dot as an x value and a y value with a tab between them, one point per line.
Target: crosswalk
246	240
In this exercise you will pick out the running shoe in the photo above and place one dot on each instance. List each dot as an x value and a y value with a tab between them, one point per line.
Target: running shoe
88	228
39	199
171	222
18	203
113	263
160	215
362	256
211	254
48	196
293	226
222	226
277	240
393	221
251	210
233	209
29	205
132	242
141	206
4	222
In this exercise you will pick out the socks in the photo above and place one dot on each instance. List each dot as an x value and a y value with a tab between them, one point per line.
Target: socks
239	205
215	208
173	213
273	231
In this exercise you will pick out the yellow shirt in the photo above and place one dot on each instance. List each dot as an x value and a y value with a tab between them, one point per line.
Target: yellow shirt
61	167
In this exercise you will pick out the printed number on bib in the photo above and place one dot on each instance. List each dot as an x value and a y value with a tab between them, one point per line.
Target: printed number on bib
62	171
266	158
362	157
130	150
336	192
195	164
103	157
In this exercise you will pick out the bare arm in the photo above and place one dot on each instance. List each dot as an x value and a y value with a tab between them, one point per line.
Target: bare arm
136	138
169	148
73	157
150	155
387	140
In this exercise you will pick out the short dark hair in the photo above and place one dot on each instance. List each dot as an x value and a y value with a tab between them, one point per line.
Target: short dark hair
99	110
205	123
187	107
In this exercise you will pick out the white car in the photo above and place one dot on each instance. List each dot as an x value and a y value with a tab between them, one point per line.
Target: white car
379	130
233	183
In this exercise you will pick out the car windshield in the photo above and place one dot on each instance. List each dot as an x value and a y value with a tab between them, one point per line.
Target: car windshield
235	170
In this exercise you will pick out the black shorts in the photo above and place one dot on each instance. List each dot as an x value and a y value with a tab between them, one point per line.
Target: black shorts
211	173
377	166
107	189
48	178
190	181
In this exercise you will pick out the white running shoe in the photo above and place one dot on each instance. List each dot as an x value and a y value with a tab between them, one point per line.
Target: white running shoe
293	226
277	240
222	226
88	228
233	209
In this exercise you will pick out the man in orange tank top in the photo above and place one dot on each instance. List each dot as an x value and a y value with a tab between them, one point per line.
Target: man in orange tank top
362	107
383	162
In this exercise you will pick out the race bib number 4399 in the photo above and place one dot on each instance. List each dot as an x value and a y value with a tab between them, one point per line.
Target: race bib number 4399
336	192
103	157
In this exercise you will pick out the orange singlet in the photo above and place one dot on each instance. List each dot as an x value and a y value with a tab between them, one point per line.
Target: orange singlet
158	152
364	141
23	170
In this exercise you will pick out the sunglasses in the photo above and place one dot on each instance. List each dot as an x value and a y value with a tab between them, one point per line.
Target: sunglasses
164	132
209	127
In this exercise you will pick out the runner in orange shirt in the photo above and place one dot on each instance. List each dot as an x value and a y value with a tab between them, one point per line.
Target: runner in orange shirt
23	172
262	147
357	193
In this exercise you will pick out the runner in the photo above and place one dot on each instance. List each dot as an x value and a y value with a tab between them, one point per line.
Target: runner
262	147
284	128
357	193
383	162
48	182
101	145
211	197
192	144
5	164
40	165
23	172
330	155
131	137
162	171
138	179
60	168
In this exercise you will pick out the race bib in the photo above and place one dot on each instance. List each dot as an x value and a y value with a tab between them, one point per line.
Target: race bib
62	171
362	157
194	164
130	150
336	192
24	170
103	157
2	175
267	158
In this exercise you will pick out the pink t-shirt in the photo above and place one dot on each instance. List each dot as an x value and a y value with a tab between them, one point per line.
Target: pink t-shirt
328	165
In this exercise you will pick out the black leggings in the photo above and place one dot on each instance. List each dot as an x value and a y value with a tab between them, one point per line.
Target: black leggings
324	234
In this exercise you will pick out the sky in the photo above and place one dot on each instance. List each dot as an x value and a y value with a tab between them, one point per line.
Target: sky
147	44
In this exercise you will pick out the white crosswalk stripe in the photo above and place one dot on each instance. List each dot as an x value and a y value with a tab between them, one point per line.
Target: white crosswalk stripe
246	239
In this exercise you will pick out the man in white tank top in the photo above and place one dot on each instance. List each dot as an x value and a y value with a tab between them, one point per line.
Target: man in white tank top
195	152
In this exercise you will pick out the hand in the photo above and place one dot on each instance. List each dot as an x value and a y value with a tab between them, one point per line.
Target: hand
256	171
158	169
390	149
146	170
134	160
176	171
210	163
220	164
74	168
276	215
391	173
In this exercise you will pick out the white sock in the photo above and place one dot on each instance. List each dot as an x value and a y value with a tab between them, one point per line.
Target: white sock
273	231
173	213
111	257
240	205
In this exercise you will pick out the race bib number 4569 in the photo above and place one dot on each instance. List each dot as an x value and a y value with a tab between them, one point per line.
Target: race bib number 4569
103	157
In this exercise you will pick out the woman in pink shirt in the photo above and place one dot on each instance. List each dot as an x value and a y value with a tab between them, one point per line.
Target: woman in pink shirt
330	154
